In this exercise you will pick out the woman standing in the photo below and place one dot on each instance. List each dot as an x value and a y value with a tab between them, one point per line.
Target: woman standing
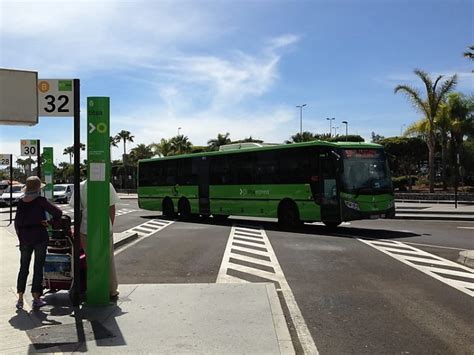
30	226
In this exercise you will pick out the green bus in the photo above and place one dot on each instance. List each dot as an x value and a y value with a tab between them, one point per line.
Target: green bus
300	182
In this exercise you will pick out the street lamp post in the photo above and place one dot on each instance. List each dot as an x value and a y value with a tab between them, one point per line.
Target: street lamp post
401	129
179	128
330	119
335	130
301	117
346	123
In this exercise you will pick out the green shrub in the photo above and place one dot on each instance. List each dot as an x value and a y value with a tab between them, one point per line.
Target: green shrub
402	182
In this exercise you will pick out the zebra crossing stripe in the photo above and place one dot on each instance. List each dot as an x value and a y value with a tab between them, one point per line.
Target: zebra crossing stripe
145	230
149	228
440	269
119	212
254	241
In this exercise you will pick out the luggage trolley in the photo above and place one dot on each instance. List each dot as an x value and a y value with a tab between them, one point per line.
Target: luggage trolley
58	273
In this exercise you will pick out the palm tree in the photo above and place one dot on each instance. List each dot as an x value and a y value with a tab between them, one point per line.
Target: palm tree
27	165
429	107
163	149
141	151
180	144
222	139
460	110
22	164
113	141
469	53
125	137
70	151
301	137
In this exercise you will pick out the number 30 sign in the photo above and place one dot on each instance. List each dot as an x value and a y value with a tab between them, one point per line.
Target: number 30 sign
55	97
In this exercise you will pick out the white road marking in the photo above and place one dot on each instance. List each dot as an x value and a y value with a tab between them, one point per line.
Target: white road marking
119	212
433	246
466	227
144	231
252	236
435	270
322	224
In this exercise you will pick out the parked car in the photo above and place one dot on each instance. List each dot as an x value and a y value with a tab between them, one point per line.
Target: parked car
62	192
3	186
17	195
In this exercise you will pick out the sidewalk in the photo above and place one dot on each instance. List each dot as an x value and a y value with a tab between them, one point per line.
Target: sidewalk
148	318
419	210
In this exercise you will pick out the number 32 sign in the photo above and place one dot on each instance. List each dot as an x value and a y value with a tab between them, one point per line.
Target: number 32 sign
55	97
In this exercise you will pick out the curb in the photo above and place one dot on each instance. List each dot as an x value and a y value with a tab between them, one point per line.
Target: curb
435	217
124	238
424	212
128	197
466	257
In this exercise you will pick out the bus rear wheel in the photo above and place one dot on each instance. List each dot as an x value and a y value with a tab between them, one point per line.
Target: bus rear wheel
331	225
220	217
168	208
288	214
184	209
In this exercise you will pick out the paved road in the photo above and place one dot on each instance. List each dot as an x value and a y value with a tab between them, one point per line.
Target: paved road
369	287
383	286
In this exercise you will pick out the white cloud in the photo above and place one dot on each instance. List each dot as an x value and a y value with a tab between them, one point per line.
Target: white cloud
205	94
283	41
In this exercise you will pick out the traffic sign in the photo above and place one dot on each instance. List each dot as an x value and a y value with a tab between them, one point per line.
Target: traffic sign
5	159
55	97
48	169
29	147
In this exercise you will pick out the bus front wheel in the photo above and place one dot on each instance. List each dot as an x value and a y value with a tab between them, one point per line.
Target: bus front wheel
288	214
168	208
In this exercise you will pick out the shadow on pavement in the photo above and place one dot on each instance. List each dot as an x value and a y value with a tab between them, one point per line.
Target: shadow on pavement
340	232
60	327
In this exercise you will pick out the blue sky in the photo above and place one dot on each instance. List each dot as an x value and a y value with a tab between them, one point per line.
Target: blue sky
235	66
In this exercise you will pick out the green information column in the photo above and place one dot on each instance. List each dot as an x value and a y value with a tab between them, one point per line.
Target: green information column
98	197
48	172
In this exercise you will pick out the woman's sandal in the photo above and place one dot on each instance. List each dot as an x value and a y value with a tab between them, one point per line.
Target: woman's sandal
19	304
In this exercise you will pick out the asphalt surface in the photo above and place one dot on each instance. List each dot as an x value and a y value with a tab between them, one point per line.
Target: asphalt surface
353	298
356	293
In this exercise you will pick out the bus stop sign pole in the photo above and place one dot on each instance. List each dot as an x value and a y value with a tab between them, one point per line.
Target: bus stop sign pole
76	290
98	198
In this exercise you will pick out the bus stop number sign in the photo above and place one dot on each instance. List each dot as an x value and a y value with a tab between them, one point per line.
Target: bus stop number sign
55	97
29	147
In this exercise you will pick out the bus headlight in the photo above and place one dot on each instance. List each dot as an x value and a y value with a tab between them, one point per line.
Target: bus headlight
352	205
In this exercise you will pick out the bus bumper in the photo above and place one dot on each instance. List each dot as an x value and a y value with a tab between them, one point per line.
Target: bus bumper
349	214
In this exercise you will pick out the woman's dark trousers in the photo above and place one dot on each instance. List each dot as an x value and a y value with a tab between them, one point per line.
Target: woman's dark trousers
40	256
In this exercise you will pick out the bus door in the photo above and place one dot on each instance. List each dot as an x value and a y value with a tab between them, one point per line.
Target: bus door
203	185
329	191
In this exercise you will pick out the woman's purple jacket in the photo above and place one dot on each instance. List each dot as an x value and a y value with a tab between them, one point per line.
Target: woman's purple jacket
28	219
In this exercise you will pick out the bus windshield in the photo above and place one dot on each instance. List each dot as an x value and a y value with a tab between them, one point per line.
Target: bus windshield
366	172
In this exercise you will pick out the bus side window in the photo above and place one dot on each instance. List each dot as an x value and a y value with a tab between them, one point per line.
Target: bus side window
295	166
266	168
185	176
159	172
170	177
219	170
242	168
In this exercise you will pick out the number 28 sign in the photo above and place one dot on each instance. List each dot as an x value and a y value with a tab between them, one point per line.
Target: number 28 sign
55	97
